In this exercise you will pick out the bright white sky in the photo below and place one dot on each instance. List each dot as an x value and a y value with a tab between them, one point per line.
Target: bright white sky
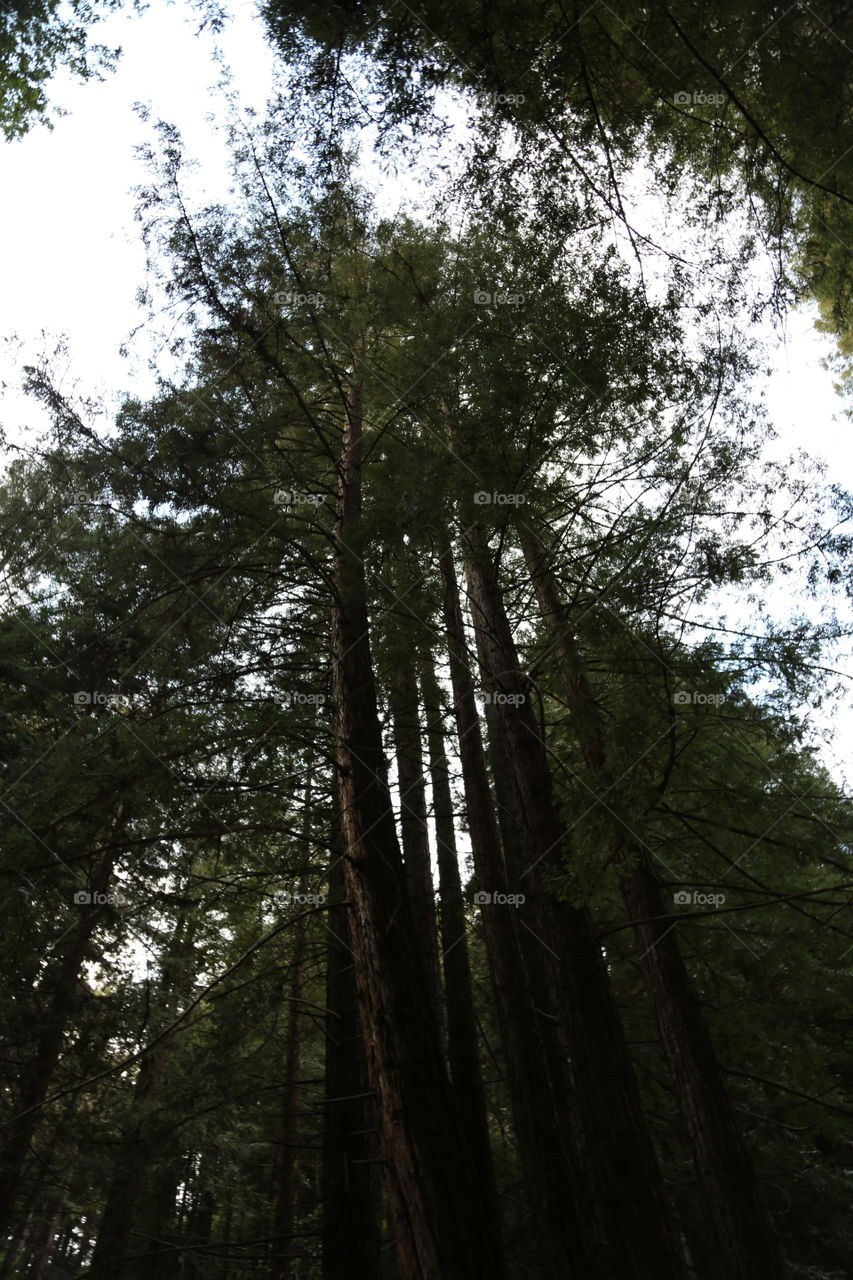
71	256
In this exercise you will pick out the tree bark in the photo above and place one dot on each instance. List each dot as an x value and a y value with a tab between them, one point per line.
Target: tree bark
351	1191
746	1244
417	862
561	1239
462	1048
639	1238
129	1212
433	1205
286	1163
59	989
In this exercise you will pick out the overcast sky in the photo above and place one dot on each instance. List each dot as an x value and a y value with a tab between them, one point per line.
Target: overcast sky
71	256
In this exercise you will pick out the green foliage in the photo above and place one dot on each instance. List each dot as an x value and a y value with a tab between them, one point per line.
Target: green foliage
36	38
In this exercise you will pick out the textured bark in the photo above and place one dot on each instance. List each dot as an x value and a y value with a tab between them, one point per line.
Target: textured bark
286	1163
351	1187
561	1237
417	862
433	1205
462	1049
59	992
116	1236
42	1251
134	1209
155	1228
746	1245
638	1235
199	1225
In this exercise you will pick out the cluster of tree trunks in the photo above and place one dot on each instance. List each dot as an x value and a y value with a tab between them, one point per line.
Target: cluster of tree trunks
408	1183
596	1198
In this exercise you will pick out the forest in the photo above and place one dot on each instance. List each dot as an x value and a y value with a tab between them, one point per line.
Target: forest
419	859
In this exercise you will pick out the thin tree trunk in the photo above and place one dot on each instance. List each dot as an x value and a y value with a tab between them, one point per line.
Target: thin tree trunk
198	1221
561	1238
60	988
462	1048
284	1203
639	1234
126	1209
746	1244
434	1209
42	1247
155	1225
413	820
112	1256
351	1190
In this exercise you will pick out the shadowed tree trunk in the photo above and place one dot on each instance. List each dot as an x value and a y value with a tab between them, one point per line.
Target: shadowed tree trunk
462	1049
351	1190
286	1162
144	1179
746	1244
59	990
636	1225
197	1233
434	1208
413	819
562	1239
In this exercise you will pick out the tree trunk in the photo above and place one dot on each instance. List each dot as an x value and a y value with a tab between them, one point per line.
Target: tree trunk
462	1048
42	1249
619	1154
129	1218
434	1208
746	1244
286	1163
560	1239
351	1192
197	1232
59	988
417	863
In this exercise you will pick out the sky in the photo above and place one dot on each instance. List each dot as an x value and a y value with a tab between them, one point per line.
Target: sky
71	259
